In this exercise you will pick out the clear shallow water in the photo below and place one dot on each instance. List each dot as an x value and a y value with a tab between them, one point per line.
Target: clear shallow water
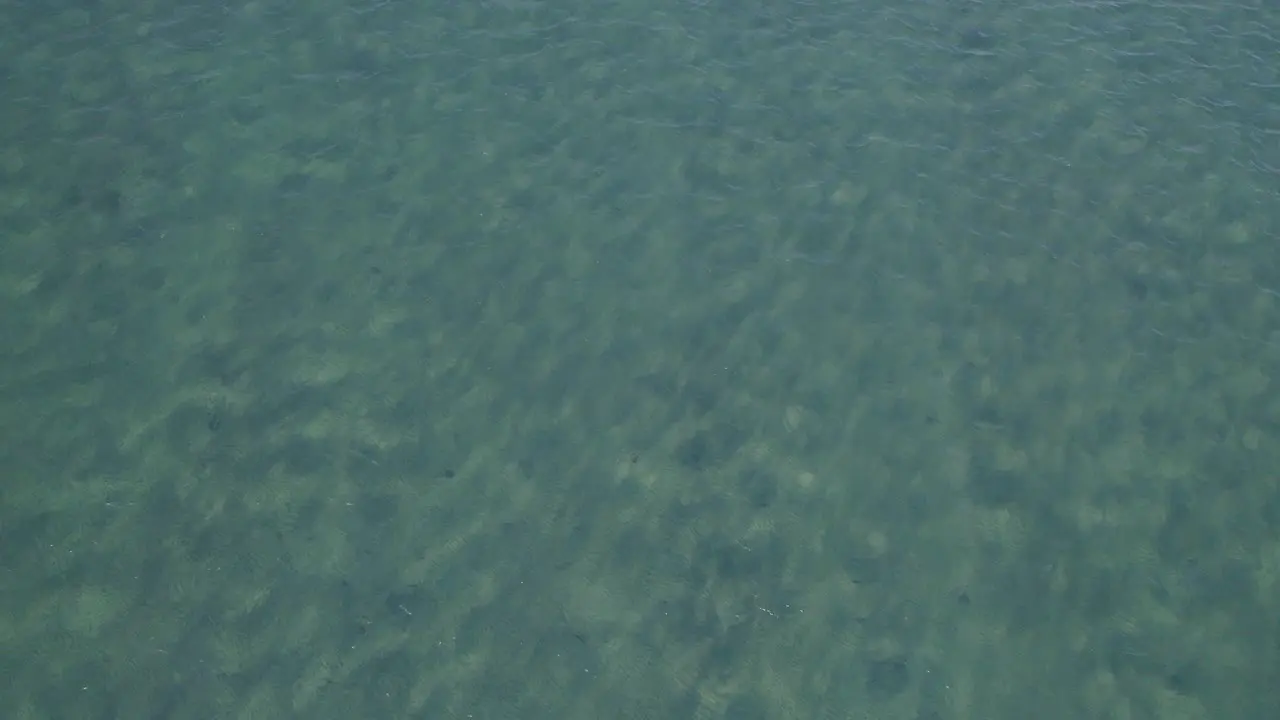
639	360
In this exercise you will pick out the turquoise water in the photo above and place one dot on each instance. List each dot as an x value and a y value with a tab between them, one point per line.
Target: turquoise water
639	360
